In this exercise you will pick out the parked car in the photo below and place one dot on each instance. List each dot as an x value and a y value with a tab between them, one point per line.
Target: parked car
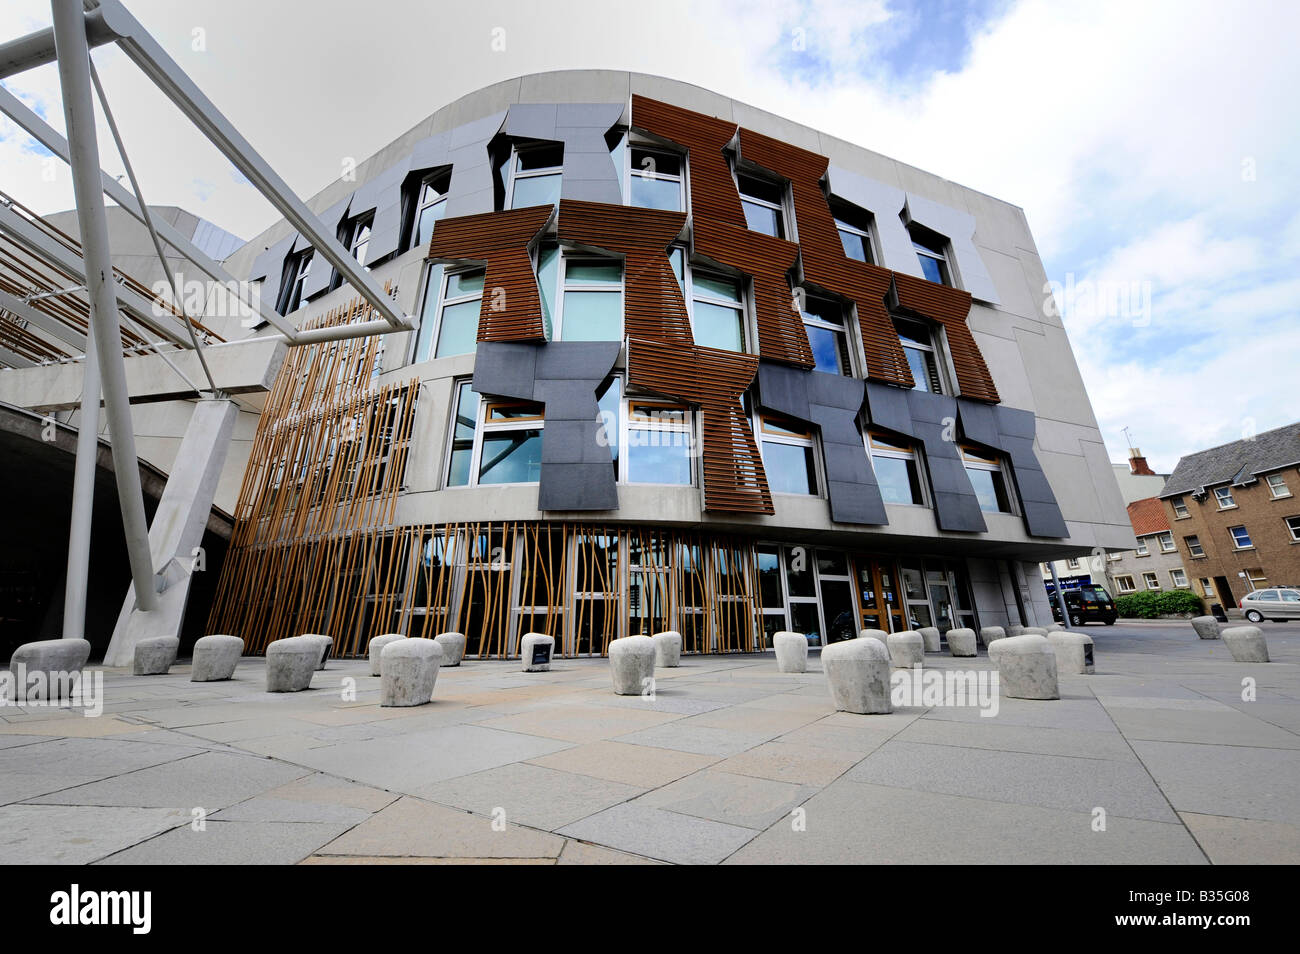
1089	603
1278	603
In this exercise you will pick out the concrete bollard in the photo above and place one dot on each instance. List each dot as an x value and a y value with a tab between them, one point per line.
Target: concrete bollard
409	670
668	649
375	648
535	651
632	665
56	659
1026	667
154	656
1033	631
291	662
453	648
990	633
857	671
1246	643
791	651
906	649
215	657
1015	629
1207	627
930	638
1054	628
961	642
325	644
879	634
1073	652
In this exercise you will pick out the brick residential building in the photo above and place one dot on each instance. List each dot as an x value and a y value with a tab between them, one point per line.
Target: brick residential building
1235	516
1156	564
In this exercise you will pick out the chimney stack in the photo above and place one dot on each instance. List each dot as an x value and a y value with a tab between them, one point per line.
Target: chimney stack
1137	464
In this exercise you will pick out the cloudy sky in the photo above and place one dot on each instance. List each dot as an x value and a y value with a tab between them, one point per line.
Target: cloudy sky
1155	147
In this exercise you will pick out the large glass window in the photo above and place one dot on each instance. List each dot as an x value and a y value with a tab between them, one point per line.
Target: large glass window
359	236
717	311
932	252
1194	545
854	227
1224	496
458	312
296	269
1293	527
789	457
1166	542
823	320
493	442
764	204
985	472
896	469
655	179
535	176
1180	507
1277	487
918	341
659	443
430	206
1240	538
591	300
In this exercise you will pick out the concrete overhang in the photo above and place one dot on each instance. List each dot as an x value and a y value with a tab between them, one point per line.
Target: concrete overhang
238	367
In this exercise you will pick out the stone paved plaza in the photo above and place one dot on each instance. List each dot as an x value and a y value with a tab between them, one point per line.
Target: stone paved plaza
553	767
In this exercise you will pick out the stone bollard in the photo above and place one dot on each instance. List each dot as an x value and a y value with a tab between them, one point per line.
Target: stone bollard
1015	629
791	651
906	649
409	669
961	642
215	658
632	665
154	656
1026	667
879	634
56	659
668	649
930	638
1033	631
535	650
375	649
453	648
325	644
291	662
990	633
1073	652
1054	628
1207	627
857	671
1246	643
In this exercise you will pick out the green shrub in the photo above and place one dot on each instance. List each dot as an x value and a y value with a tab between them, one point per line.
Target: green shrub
1151	604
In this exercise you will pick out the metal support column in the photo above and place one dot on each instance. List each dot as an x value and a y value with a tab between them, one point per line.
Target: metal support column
1060	597
83	498
79	114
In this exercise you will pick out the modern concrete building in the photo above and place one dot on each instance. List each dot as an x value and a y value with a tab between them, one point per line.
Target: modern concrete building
678	364
1233	513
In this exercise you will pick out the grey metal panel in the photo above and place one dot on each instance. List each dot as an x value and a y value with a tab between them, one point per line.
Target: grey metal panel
1011	430
589	172
959	228
383	196
934	423
886	203
887	408
832	403
577	469
531	121
269	265
321	275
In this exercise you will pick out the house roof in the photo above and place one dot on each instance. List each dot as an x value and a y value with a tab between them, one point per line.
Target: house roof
1236	463
1147	516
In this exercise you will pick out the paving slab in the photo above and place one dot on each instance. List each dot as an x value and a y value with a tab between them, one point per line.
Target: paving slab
643	766
787	762
992	734
231	843
73	834
657	833
743	800
699	739
1232	780
1244	841
1226	726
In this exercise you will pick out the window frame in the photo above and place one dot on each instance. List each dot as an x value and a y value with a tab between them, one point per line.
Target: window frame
1150	577
864	232
515	173
629	422
1142	549
882	445
932	347
919	235
563	287
1179	506
1272	488
291	298
1162	537
974	458
740	306
1222	493
1174	573
630	170
422	204
784	220
483	427
1293	530
805	438
1120	585
1195	549
360	228
1236	545
848	350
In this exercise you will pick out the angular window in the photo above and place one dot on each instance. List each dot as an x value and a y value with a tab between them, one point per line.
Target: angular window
918	341
659	443
1180	507
897	472
789	456
358	238
1224	496
590	300
494	442
854	227
296	269
1166	543
1240	538
932	252
823	320
430	206
535	175
1277	486
764	204
717	311
1194	545
458	312
987	478
655	179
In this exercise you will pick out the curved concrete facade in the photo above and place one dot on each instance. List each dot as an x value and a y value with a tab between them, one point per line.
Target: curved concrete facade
1061	495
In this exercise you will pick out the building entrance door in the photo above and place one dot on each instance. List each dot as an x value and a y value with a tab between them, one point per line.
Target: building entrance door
941	603
1225	591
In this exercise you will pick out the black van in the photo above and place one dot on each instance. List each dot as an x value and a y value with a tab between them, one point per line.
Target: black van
1089	603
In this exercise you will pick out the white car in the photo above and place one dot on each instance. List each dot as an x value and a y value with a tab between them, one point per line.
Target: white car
1278	603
